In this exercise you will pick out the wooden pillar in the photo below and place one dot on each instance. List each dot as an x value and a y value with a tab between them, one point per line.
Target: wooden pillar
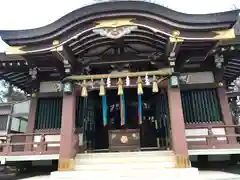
178	141
226	113
66	159
31	122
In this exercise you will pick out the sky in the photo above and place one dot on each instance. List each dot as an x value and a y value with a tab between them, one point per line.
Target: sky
27	14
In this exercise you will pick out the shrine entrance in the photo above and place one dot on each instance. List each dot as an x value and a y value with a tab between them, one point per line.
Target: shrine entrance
122	129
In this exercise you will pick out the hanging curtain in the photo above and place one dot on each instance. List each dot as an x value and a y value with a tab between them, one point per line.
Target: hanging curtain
104	109
139	109
122	109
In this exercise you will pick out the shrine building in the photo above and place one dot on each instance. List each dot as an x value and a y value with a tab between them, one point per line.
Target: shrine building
121	77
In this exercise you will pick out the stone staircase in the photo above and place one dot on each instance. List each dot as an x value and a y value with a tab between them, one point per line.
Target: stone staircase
127	165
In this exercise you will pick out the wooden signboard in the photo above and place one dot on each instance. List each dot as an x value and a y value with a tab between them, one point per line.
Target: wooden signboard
124	140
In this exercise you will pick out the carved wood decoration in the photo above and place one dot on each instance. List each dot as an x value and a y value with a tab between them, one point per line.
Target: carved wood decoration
115	29
116	32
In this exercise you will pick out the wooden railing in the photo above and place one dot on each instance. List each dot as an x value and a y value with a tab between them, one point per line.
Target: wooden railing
212	140
24	144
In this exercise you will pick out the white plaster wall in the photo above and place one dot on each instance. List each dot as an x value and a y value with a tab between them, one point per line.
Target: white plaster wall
50	86
219	131
48	138
204	132
200	77
55	138
196	132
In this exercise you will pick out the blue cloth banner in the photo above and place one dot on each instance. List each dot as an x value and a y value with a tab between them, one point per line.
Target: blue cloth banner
122	109
139	109
104	109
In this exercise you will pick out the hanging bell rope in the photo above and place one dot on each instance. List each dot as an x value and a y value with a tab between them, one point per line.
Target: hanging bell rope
154	85
84	92
102	88
120	87
139	86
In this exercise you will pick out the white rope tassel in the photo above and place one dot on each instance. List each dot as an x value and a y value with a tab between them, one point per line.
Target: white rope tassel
108	82
147	82
127	81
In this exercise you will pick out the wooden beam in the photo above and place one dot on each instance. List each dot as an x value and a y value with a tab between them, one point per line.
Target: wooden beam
233	94
117	59
65	55
69	55
160	72
172	49
14	69
213	50
168	49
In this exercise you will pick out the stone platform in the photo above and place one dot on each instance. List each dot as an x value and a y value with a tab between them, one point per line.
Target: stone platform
127	165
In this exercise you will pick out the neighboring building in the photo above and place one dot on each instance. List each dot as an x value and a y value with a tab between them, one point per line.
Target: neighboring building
5	117
13	117
126	76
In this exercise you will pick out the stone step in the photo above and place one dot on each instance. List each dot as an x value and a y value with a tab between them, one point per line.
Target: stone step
120	160
126	166
172	173
115	158
125	154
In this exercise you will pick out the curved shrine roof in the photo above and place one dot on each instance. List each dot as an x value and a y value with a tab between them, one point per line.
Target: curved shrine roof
200	22
147	46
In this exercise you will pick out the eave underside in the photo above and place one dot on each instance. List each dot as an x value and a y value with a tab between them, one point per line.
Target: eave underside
102	56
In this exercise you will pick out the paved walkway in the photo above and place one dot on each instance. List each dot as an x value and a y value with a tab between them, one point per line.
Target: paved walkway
205	175
218	175
37	178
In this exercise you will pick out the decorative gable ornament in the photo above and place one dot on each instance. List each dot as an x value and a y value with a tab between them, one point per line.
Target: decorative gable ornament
115	32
